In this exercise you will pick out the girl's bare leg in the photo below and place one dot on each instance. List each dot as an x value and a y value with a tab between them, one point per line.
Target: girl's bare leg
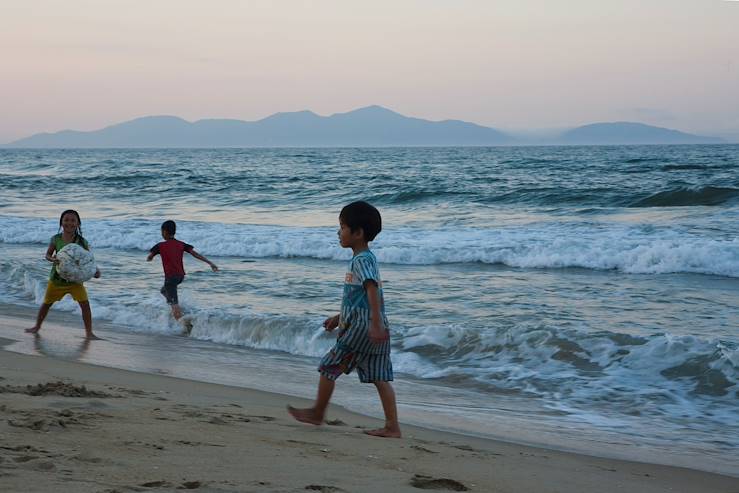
87	319
42	312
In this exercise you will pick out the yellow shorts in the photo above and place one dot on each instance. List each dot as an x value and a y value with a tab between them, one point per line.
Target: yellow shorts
55	292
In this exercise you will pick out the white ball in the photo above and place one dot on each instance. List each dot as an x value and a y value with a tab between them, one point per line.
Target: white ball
75	264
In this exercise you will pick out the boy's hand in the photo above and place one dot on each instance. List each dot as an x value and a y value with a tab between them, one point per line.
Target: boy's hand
378	334
331	323
149	257
214	267
97	274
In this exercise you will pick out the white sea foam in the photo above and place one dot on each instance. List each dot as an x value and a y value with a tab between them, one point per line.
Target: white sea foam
629	249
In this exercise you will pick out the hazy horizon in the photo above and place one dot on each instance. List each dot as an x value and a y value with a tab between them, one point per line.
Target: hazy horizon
515	66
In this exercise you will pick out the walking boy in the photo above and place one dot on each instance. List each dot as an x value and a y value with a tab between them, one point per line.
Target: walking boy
171	251
363	342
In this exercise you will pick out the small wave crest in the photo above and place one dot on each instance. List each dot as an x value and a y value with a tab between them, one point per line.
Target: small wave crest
547	360
637	160
685	197
684	167
414	196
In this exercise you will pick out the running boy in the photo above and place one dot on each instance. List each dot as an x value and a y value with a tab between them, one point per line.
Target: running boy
363	341
171	251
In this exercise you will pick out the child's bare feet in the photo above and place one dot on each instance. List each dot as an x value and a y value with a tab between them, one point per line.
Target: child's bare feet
305	415
384	432
33	330
92	337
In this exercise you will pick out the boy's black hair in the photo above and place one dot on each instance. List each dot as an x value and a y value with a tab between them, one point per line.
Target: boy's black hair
360	214
77	233
169	226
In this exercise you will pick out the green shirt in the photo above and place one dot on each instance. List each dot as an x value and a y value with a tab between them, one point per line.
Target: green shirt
58	242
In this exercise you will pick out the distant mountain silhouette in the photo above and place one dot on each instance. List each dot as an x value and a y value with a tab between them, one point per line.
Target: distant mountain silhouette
373	126
364	127
630	133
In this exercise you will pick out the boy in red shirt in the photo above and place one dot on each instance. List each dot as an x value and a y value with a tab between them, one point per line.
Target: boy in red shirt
171	251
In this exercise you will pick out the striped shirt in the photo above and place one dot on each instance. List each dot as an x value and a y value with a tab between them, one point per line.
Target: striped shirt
354	321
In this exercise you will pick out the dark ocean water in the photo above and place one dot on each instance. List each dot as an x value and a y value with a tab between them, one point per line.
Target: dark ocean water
597	285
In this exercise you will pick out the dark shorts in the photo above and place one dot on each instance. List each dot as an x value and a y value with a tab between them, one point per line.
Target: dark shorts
370	367
169	290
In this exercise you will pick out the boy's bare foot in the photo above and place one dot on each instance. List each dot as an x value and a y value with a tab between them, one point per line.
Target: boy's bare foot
187	325
33	330
384	433
92	337
305	415
176	312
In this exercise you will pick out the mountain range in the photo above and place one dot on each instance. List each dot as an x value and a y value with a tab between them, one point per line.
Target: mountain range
372	126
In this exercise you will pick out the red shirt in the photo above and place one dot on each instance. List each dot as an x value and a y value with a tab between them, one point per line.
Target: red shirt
171	252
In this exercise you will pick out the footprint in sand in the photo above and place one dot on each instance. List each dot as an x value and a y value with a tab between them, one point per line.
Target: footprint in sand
466	448
156	484
323	488
88	458
25	458
229	405
25	448
428	483
424	449
44	466
301	442
198	444
31	424
187	485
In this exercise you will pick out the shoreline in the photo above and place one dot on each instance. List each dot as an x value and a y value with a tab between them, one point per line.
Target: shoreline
168	432
124	431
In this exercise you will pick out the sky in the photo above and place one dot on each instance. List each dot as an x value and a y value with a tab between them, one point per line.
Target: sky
509	64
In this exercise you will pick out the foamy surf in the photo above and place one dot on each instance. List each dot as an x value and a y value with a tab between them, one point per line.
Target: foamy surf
632	249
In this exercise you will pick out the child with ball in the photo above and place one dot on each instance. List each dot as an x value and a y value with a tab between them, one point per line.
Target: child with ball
70	232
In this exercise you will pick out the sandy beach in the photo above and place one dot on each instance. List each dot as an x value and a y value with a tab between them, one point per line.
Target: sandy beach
67	426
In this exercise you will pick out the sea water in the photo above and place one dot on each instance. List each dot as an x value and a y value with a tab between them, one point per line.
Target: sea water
585	298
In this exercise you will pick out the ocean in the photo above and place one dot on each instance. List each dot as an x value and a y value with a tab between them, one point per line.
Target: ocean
583	298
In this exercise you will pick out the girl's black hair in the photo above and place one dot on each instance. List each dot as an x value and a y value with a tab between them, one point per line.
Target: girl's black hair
78	232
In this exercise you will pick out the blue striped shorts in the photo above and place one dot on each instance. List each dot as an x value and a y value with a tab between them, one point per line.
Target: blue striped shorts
370	367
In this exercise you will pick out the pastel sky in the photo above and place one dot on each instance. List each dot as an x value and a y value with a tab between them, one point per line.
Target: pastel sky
509	64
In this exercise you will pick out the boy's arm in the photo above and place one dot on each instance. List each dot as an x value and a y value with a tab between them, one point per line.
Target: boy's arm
331	322
377	332
200	257
153	252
